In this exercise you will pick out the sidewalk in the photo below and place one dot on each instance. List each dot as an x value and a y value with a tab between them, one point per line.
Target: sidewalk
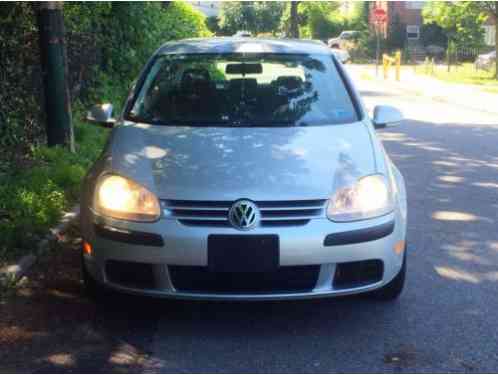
466	96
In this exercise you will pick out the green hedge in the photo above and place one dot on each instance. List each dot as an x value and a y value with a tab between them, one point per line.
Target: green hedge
33	197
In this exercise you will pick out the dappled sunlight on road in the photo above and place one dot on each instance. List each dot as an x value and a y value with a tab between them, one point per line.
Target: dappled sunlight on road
451	179
458	275
61	360
454	216
486	185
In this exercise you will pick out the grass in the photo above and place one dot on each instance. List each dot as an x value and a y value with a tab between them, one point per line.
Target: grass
366	76
34	196
463	74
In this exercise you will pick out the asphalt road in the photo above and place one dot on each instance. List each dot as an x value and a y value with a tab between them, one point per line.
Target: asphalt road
444	321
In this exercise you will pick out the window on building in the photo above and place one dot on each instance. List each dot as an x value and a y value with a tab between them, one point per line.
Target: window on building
413	32
415	4
489	35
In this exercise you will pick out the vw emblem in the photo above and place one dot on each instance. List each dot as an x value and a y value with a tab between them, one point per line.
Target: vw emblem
243	215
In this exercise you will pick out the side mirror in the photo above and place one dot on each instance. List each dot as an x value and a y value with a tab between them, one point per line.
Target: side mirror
385	115
101	114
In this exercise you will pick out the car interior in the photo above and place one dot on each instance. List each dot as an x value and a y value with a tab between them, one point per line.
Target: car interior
214	100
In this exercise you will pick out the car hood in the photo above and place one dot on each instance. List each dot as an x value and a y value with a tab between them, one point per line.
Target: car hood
222	163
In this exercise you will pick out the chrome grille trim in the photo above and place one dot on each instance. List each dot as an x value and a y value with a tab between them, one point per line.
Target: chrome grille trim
215	213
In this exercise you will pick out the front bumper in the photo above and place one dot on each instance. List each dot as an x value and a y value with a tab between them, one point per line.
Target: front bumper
305	245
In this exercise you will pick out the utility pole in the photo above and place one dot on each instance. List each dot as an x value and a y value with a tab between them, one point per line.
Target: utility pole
377	48
380	18
55	75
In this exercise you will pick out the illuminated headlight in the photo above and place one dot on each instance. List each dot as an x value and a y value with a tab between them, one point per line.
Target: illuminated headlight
121	198
369	197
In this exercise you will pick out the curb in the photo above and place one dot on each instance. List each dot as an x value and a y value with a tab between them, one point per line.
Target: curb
11	274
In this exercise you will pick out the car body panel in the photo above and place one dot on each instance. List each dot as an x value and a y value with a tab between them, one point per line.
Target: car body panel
226	163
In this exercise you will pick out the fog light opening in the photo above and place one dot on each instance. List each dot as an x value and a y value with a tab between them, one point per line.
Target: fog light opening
399	247
87	248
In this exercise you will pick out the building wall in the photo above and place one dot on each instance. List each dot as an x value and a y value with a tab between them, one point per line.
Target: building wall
489	35
490	32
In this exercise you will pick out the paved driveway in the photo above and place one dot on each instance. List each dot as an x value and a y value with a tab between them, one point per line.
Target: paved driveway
445	320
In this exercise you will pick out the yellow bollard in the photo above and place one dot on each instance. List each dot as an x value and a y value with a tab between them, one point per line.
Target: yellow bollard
397	57
387	61
385	65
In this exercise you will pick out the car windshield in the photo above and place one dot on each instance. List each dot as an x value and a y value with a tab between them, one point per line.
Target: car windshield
243	90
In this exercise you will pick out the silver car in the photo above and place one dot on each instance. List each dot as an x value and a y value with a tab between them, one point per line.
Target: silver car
485	61
244	169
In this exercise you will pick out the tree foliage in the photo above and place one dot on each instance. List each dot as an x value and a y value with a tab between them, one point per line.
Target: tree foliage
254	16
462	21
106	43
315	19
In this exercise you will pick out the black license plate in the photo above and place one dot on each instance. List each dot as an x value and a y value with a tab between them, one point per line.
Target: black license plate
243	253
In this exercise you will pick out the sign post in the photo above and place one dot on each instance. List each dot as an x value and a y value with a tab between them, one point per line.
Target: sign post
380	18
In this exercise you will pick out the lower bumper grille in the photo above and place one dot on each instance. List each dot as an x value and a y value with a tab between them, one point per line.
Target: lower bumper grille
358	274
130	274
285	279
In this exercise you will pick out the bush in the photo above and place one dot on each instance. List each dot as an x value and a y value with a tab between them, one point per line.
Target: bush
33	198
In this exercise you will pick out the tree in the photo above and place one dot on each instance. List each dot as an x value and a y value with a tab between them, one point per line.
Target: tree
462	22
254	16
294	21
312	19
236	15
490	9
268	14
212	23
320	20
431	33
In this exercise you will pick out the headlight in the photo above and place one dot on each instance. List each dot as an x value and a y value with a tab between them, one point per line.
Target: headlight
121	198
369	197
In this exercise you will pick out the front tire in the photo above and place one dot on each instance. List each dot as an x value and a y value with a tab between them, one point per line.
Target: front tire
392	290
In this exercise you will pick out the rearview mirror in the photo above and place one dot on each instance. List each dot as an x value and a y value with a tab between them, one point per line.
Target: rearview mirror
385	115
244	69
101	114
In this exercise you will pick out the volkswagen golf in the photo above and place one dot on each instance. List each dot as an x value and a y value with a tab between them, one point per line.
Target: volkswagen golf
244	169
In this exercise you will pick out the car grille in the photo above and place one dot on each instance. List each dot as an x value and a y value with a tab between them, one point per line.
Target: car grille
288	279
215	213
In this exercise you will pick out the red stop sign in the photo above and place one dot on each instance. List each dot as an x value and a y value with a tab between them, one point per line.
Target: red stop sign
380	15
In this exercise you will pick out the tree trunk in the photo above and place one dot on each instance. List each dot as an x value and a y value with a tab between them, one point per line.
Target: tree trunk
55	76
294	22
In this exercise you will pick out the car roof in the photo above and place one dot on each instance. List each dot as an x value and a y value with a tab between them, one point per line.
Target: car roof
242	45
